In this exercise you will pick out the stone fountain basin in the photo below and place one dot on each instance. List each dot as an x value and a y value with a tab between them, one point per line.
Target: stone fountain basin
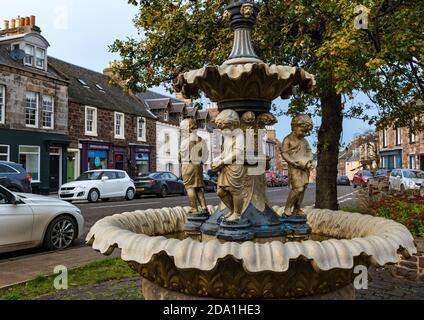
250	270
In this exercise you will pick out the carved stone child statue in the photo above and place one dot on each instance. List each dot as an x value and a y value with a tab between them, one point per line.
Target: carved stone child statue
193	153
230	164
297	152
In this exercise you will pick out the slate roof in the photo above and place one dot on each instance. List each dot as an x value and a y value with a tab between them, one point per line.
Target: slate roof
203	115
156	104
191	112
178	107
6	60
112	97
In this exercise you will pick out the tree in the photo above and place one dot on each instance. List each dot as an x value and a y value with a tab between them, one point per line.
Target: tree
383	60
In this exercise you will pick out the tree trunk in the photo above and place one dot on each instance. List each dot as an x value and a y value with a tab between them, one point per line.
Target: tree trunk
328	151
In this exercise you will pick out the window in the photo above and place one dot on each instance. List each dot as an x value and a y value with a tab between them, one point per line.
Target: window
110	174
90	121
412	161
170	167
167	144
4	153
29	158
166	116
119	125
411	137
84	84
141	129
29	55
398	136
31	110
98	86
48	112
40	58
2	104
385	138
5	169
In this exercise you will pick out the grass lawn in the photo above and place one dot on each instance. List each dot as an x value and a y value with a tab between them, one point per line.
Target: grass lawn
96	272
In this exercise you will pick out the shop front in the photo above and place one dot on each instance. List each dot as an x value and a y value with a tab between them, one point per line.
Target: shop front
120	158
391	159
43	155
96	156
141	161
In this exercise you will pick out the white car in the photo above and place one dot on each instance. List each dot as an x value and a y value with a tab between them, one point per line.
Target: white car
28	221
407	179
99	184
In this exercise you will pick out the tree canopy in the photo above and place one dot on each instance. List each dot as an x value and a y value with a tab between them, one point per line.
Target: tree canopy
383	60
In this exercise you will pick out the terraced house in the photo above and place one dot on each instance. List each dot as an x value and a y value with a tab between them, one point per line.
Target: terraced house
108	128
33	106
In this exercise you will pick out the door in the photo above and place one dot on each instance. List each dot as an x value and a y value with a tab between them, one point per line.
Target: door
173	184
70	172
422	162
54	172
119	161
16	222
110	187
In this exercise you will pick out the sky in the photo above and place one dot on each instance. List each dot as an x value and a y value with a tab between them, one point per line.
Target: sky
80	31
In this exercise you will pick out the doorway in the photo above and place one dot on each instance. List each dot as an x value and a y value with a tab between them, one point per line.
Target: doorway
55	169
422	162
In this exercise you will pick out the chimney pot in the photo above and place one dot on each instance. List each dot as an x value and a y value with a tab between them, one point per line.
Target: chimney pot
6	24
27	21
32	21
22	22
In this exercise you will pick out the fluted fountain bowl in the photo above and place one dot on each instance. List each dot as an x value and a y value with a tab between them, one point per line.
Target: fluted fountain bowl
172	267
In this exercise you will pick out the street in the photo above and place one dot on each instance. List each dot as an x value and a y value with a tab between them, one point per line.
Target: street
93	212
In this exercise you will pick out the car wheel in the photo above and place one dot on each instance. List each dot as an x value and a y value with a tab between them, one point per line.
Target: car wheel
130	194
184	193
60	234
421	192
93	196
354	185
163	192
215	188
402	189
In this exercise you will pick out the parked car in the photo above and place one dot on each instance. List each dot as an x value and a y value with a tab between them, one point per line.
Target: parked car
271	179
28	221
14	177
361	178
213	175
160	184
99	184
343	181
210	184
380	181
407	179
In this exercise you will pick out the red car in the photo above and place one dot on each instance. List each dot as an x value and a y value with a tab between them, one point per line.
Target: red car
361	178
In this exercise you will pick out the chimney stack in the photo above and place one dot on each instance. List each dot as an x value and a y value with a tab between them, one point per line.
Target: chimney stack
32	21
6	24
27	21
22	22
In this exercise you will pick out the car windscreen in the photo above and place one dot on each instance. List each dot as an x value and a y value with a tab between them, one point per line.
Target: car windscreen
88	176
414	174
367	173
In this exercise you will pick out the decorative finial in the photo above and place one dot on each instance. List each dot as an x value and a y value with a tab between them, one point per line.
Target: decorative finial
243	15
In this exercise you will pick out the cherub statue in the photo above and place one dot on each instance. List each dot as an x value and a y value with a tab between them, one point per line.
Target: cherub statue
230	165
193	152
297	152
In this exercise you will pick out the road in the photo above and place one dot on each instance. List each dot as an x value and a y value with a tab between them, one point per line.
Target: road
93	212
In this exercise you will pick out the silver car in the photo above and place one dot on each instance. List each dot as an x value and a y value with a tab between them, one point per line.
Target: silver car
407	179
28	221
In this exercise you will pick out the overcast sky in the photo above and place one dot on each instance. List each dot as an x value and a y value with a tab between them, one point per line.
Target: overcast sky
80	31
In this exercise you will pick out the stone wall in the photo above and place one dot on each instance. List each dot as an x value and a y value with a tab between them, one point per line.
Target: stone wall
412	268
17	83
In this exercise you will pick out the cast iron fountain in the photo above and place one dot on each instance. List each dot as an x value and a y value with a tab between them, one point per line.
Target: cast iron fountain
245	249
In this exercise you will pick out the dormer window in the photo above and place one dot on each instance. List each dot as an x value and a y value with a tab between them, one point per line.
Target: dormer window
29	55
40	58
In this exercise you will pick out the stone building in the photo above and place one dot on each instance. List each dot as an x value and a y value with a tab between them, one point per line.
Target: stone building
107	128
169	112
400	148
33	106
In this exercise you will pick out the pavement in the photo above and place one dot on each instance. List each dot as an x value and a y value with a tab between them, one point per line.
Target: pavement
382	286
22	266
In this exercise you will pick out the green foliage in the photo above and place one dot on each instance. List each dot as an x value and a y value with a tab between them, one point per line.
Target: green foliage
384	61
408	210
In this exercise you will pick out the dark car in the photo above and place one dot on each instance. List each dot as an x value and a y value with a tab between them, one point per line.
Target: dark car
210	184
380	181
160	184
361	178
14	177
343	181
213	175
